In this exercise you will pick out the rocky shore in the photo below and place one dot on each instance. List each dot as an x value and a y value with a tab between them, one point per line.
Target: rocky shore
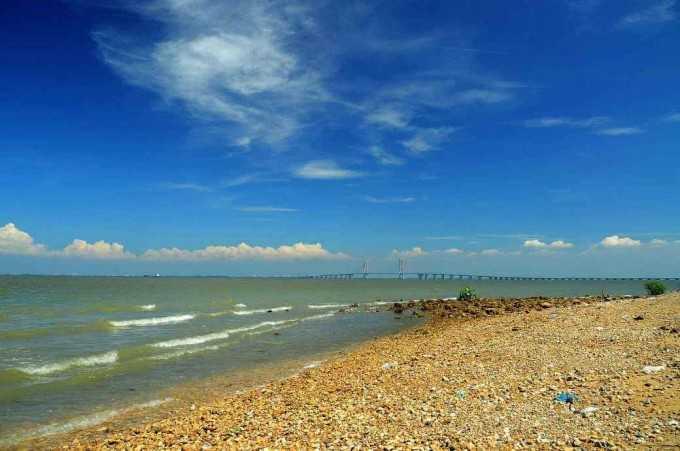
547	373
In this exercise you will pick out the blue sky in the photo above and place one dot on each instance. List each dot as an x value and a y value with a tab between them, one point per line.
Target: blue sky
208	137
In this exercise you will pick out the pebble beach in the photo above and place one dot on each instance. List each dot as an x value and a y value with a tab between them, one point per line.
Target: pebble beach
544	373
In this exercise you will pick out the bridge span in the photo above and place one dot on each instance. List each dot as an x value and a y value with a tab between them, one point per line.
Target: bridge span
449	276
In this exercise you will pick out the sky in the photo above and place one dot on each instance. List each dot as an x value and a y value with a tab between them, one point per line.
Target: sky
289	137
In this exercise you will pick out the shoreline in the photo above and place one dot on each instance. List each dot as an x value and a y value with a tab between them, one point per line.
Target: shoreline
342	385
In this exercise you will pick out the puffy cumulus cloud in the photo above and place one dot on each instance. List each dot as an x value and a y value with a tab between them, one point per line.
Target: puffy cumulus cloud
244	251
416	251
619	241
656	242
324	170
537	244
15	241
453	251
96	250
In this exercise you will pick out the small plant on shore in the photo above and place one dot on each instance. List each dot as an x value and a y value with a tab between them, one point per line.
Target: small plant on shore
467	294
655	288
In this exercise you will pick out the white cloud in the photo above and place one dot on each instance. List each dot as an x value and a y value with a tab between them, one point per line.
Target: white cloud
389	117
222	60
267	209
549	122
673	117
656	242
537	244
186	187
385	158
482	96
658	13
427	139
18	242
325	170
15	241
416	251
389	200
97	250
620	131
619	241
454	251
244	251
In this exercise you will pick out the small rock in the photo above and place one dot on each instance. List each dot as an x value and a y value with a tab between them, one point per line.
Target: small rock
588	411
389	365
639	317
546	304
650	369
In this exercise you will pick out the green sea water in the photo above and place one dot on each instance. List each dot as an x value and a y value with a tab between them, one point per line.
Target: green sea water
74	347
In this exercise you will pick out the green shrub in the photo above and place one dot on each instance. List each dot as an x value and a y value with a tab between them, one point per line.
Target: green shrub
655	288
467	294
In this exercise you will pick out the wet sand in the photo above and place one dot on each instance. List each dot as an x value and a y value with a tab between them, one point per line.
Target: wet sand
477	375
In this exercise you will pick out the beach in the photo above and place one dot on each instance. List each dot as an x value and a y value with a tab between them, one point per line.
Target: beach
487	374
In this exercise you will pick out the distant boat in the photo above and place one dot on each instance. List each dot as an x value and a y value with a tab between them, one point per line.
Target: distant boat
151	275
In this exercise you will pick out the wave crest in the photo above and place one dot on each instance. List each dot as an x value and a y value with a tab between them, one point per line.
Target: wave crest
153	321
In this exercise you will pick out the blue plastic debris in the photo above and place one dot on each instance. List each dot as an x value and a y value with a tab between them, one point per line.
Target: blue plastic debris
566	397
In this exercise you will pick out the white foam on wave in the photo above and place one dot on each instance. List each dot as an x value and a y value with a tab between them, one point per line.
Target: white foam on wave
82	422
200	339
240	306
263	310
93	360
222	335
153	321
147	307
325	306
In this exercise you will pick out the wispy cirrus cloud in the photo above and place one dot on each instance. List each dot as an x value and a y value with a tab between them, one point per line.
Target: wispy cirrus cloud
390	200
561	121
230	62
384	157
427	139
620	131
325	170
267	209
673	117
185	187
658	13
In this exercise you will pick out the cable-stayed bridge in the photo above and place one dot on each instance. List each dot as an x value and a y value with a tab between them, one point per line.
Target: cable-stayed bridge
449	276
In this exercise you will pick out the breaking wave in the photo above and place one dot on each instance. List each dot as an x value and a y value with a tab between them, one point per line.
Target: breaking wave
93	360
200	339
147	307
325	306
153	321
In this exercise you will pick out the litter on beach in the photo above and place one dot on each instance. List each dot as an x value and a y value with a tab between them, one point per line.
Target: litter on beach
566	397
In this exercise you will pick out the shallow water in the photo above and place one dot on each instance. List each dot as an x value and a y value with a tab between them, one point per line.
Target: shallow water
73	346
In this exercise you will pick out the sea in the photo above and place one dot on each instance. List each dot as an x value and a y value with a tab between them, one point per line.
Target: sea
76	351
